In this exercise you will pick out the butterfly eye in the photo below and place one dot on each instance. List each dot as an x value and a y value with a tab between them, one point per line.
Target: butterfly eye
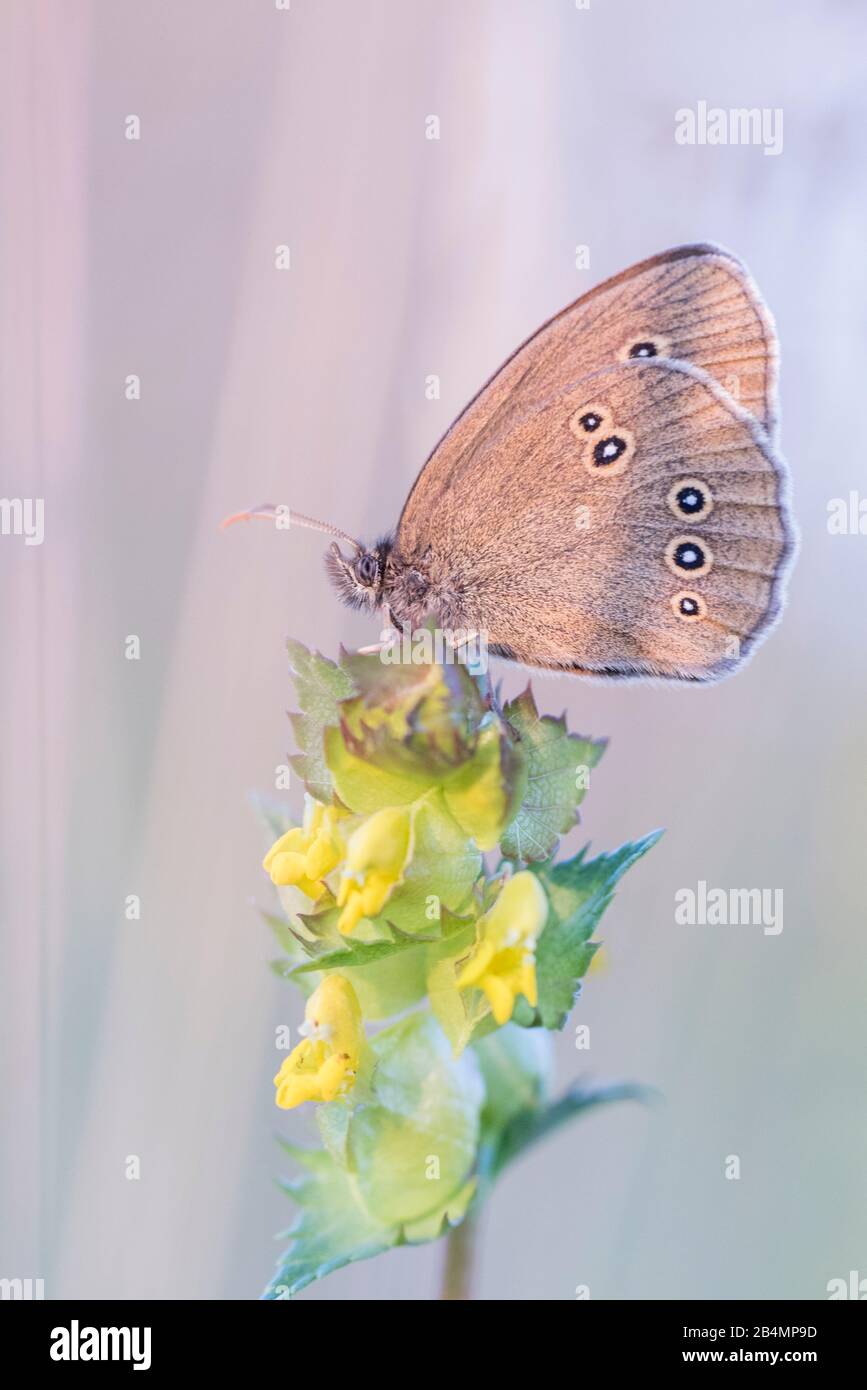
689	605
366	569
689	555
691	497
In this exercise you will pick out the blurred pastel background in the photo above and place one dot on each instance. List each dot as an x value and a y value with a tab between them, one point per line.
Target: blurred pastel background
409	257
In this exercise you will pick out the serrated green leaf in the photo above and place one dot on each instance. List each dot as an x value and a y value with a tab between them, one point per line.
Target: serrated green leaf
555	784
334	1228
356	954
284	936
384	984
319	930
297	906
320	686
533	1123
353	953
579	890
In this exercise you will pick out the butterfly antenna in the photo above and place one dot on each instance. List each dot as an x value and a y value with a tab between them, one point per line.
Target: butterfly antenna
298	519
268	512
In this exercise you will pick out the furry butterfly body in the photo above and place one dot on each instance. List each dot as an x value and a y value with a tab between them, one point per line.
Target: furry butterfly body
612	501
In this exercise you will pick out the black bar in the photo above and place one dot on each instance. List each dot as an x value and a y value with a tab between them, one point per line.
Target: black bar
648	1335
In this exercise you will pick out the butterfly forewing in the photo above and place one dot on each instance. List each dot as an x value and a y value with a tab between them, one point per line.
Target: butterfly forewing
695	303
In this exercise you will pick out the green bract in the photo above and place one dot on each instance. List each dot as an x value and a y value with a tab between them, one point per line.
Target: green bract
413	774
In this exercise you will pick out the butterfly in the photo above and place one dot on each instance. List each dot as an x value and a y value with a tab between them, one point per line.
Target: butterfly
612	502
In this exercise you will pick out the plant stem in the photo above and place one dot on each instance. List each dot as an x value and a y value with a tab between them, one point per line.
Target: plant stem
458	1266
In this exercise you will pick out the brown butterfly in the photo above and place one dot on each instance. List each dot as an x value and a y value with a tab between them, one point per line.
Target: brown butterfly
612	502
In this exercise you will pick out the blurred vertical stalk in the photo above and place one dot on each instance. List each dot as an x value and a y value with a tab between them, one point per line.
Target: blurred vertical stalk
460	1260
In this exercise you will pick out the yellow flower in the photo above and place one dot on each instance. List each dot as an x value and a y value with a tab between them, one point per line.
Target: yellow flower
503	961
304	855
375	860
326	1063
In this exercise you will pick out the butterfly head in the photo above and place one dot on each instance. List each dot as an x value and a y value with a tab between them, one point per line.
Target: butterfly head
362	578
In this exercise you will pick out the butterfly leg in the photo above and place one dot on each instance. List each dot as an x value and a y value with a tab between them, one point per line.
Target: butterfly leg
390	626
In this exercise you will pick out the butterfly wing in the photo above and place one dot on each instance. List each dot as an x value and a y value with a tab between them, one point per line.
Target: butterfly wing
634	523
697	304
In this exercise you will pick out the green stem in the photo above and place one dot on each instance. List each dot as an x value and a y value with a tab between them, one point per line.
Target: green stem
458	1267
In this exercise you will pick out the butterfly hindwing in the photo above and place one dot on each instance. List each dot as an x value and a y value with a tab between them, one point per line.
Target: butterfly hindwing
641	526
